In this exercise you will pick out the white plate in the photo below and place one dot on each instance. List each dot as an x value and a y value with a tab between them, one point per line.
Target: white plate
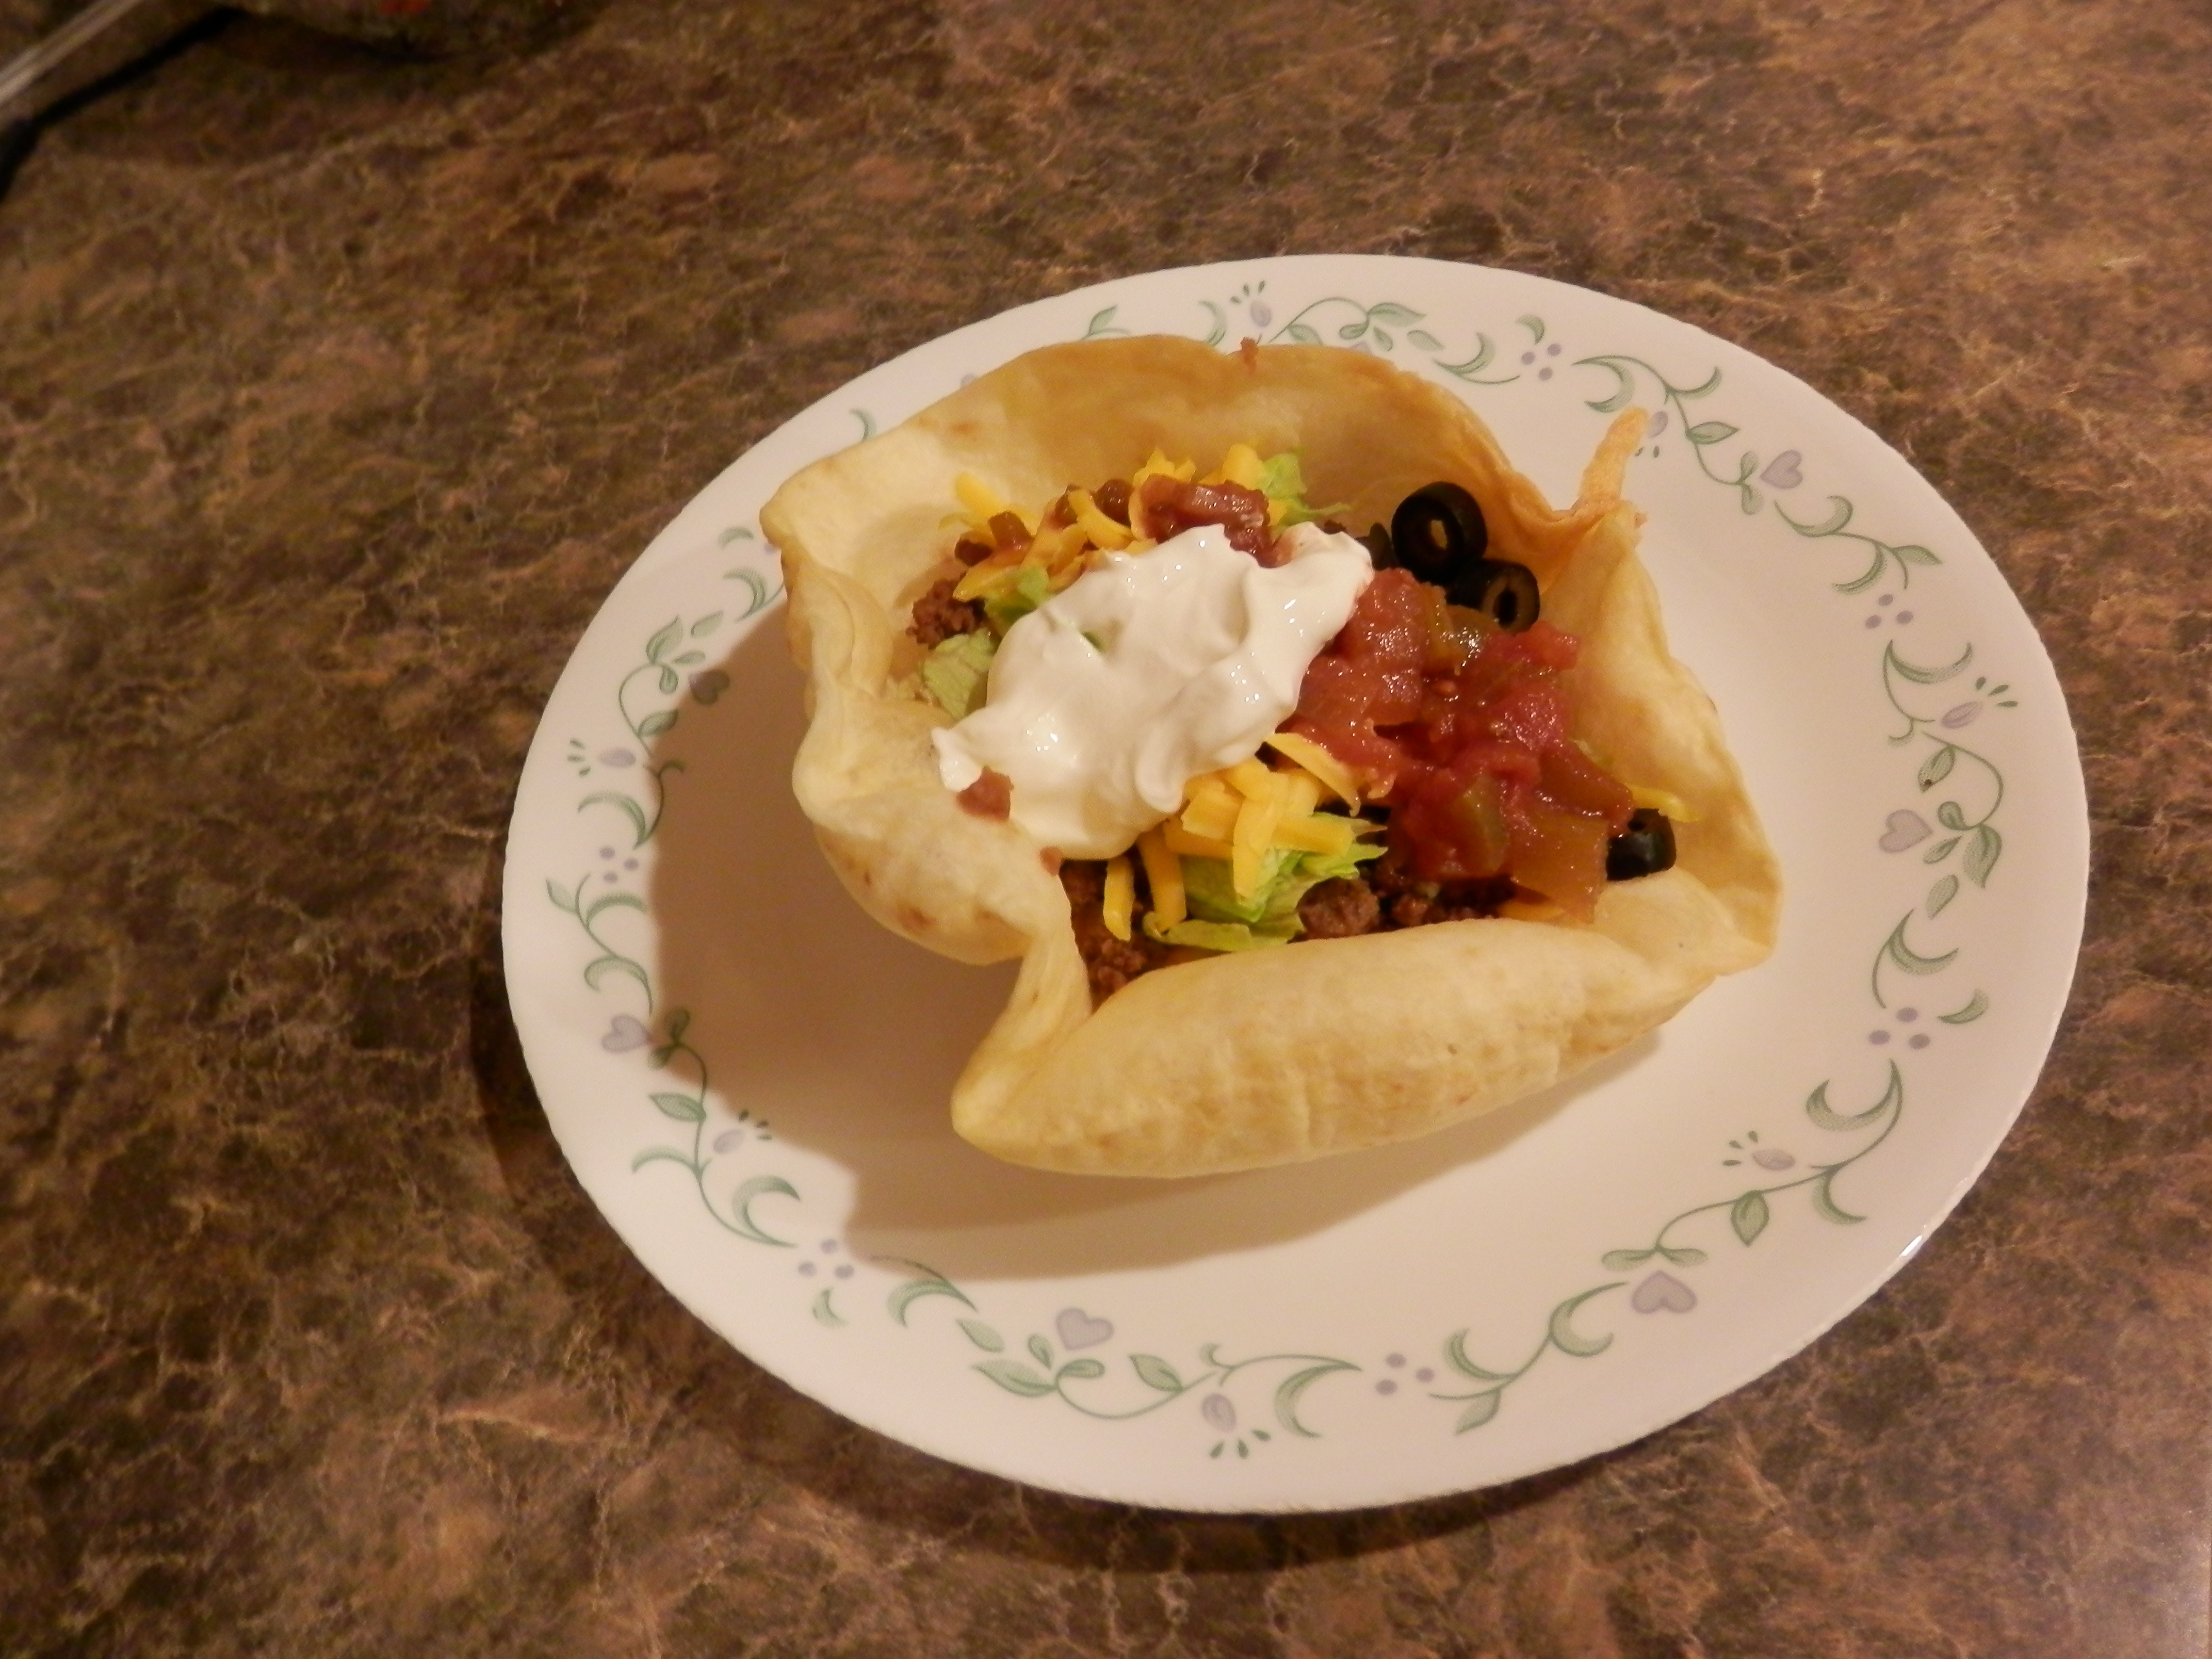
749	1077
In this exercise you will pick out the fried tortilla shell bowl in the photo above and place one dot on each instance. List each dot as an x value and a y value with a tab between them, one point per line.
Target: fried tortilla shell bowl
1274	1056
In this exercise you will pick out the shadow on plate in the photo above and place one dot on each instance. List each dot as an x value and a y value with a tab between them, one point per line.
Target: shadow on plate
745	1437
847	1039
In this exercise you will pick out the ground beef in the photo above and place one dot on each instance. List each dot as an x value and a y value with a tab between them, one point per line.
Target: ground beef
1418	909
1113	963
937	616
1340	909
1406	901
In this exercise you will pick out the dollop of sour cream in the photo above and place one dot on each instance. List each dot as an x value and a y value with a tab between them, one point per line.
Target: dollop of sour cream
1111	697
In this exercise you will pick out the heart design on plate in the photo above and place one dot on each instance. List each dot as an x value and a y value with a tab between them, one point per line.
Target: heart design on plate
1077	1329
1781	471
1663	1291
1906	830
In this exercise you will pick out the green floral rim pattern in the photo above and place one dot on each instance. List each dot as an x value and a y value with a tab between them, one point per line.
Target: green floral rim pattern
1070	1362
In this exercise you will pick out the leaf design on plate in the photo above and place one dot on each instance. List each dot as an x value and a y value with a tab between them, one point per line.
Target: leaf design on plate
1941	895
1479	1410
1484	351
1622	391
1839	514
1015	1377
927	1282
1749	1216
741	1206
1826	1117
629	809
1455	1355
1155	1373
613	901
983	1336
663	638
682	1108
1293	1386
596	970
1920	676
1712	432
1824	1201
1976	1006
1982	853
1937	767
1911	960
1565	1338
757	586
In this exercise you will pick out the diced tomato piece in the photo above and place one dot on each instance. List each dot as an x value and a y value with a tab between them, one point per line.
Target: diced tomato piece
1389	624
1558	854
1581	785
1540	646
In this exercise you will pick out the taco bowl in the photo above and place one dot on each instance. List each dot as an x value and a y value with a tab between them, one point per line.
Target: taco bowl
1325	1045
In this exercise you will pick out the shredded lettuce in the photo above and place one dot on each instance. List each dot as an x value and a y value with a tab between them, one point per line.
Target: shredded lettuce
956	672
1214	935
1220	920
1013	599
1282	482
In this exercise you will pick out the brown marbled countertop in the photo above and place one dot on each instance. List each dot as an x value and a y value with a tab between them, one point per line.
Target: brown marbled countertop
334	392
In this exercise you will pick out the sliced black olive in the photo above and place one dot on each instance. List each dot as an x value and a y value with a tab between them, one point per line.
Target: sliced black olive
1438	531
1644	848
1503	591
1377	541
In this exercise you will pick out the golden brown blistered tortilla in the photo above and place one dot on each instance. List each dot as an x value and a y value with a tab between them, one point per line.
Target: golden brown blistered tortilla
1271	1055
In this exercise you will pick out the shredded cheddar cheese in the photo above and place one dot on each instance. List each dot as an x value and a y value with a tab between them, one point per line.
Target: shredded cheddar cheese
1158	466
1163	872
1257	821
1120	896
1104	533
983	503
1181	841
1311	757
1213	810
1242	466
1659	800
1318	832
